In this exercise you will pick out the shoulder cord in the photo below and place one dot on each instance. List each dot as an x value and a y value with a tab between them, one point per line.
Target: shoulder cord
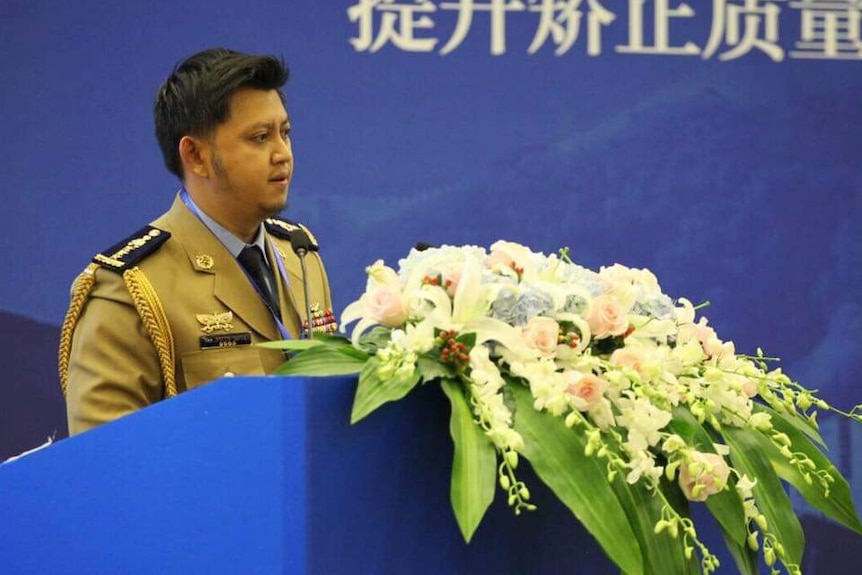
153	315
149	308
80	292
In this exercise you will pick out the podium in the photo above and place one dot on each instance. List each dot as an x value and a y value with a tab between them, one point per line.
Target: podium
265	475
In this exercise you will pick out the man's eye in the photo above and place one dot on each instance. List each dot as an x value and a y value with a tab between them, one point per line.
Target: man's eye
285	133
260	137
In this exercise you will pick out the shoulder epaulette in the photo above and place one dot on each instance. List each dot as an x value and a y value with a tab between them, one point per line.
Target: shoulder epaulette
129	252
282	228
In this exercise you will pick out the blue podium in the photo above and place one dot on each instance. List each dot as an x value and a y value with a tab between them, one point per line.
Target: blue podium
266	475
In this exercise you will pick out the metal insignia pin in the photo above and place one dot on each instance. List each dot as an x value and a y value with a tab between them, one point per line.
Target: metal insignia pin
211	322
204	262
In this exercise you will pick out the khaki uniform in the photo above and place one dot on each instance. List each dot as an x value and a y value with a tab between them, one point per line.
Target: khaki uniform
182	314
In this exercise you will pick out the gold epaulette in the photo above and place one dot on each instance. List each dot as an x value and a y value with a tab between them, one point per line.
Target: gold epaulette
129	252
122	258
282	228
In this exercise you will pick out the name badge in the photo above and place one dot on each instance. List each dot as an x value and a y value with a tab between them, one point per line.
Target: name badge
226	340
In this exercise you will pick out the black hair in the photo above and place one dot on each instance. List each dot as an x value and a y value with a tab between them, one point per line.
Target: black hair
195	99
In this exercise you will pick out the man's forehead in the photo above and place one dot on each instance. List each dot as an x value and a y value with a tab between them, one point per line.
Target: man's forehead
250	107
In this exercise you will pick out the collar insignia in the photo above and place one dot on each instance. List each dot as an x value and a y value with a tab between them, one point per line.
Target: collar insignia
204	262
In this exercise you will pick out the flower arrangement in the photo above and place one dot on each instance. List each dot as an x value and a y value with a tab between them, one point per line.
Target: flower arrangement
625	404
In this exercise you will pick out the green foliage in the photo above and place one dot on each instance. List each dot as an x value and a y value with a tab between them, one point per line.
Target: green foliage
325	360
557	454
373	391
749	457
831	496
474	463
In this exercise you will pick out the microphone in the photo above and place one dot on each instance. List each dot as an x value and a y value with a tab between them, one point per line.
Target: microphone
302	244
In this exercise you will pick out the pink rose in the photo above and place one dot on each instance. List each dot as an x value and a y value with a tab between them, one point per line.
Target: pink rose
386	305
705	472
586	390
606	317
542	333
630	357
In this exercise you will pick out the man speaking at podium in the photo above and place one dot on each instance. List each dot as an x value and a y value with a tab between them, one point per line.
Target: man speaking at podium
184	300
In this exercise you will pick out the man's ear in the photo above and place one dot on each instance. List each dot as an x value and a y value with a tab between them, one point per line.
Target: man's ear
194	156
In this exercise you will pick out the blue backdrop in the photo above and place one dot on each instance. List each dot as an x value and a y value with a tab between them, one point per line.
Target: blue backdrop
715	143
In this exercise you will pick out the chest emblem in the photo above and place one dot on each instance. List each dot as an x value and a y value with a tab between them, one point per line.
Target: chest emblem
211	322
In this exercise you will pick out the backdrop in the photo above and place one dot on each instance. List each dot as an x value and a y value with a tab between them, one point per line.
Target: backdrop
716	143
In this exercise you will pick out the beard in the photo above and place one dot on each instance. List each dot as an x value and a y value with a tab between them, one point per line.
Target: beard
266	209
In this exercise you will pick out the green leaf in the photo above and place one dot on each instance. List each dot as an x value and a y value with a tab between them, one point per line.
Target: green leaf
839	504
749	457
744	557
322	360
351	351
431	368
468	339
556	453
291	344
331	339
372	391
376	338
474	465
663	554
797	422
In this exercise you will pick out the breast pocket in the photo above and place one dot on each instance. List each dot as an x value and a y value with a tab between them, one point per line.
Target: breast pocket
203	366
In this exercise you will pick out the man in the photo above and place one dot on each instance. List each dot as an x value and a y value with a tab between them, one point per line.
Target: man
184	301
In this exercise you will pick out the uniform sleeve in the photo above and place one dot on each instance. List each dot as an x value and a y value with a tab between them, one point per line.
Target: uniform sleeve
113	367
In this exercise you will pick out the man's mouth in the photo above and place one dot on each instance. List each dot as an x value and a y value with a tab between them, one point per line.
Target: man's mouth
280	178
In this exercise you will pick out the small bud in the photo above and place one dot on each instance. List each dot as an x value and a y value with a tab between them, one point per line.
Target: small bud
512	459
782	439
752	541
505	483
